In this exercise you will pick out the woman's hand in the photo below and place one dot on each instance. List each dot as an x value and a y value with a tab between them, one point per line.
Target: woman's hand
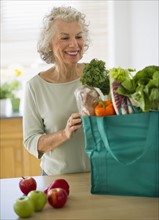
73	124
50	141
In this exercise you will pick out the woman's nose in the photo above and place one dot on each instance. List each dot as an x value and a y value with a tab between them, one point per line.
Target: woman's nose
73	42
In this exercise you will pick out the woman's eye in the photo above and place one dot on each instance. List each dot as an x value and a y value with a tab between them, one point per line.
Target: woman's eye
64	38
67	38
78	37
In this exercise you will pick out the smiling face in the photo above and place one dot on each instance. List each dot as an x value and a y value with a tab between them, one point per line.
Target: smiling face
68	42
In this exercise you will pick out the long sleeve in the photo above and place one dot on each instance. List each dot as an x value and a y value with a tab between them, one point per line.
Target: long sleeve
32	122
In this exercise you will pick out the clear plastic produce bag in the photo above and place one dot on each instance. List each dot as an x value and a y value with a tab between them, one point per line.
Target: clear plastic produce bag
87	98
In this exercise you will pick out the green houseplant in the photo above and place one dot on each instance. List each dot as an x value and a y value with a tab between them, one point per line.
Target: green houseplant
10	87
5	91
8	94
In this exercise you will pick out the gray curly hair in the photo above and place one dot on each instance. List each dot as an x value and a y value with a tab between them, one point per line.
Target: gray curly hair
63	13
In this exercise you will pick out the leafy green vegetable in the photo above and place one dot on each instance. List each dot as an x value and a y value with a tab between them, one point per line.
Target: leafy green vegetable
96	75
143	88
119	74
121	103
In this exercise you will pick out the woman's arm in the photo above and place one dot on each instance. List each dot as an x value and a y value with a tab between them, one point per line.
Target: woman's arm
50	141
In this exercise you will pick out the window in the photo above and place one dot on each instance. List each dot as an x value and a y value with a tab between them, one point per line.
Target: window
21	22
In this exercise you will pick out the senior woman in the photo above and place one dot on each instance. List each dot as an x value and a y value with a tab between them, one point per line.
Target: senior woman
51	123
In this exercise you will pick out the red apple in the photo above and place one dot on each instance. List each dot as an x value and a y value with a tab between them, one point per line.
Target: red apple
58	183
27	184
57	197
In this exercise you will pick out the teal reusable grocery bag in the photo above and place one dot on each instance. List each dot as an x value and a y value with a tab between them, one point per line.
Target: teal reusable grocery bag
124	153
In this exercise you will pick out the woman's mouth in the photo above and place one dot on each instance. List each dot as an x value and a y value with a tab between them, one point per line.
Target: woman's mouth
72	53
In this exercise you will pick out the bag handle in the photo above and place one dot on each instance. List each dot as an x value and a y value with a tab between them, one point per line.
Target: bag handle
90	141
101	125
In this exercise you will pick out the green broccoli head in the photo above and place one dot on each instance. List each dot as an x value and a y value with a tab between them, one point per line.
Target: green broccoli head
96	75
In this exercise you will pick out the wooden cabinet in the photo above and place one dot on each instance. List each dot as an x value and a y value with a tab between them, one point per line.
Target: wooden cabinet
15	161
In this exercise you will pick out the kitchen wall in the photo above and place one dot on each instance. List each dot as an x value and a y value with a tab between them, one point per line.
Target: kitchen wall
135	33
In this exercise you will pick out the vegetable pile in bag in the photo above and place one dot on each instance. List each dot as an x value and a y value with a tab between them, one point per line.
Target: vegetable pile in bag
129	93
